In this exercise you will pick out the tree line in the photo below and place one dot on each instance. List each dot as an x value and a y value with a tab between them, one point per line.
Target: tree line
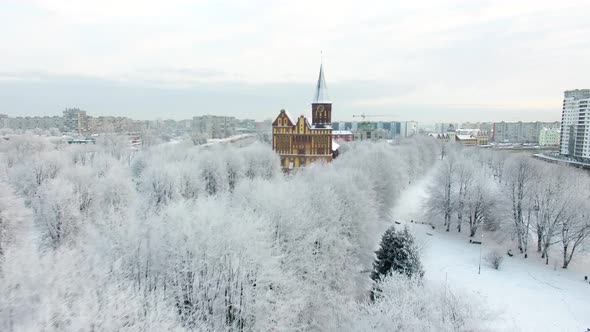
179	238
539	205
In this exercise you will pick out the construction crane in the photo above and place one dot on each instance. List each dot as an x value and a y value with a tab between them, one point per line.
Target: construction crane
364	116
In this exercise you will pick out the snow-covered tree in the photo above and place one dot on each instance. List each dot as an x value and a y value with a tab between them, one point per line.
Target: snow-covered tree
398	253
498	163
159	184
575	229
520	176
178	237
440	192
14	218
57	212
480	204
464	180
410	304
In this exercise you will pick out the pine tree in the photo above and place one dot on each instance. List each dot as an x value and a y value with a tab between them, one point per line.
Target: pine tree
397	253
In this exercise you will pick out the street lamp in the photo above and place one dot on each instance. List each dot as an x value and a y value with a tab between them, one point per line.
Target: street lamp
480	245
536	208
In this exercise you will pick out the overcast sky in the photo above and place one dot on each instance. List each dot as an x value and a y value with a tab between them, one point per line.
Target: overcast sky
464	60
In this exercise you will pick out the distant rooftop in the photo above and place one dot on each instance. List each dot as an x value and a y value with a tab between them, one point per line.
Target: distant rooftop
577	93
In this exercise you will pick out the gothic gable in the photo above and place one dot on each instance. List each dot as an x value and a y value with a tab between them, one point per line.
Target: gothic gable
284	119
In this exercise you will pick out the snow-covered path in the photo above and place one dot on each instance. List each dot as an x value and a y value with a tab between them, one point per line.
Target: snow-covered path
526	295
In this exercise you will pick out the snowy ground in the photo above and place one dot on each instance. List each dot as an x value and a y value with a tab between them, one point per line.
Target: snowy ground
526	295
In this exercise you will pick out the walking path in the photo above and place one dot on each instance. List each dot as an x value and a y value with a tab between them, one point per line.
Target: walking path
524	295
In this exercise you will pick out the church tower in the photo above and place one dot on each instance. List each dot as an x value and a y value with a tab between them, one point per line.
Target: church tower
300	143
321	107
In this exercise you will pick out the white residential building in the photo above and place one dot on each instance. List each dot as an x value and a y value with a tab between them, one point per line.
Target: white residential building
214	126
408	128
75	120
3	121
575	125
549	137
32	122
444	127
520	132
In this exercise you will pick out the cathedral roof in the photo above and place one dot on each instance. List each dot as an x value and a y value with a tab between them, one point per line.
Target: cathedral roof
335	145
291	118
321	90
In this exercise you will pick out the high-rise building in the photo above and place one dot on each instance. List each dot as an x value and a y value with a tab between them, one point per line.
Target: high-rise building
575	125
408	128
214	126
299	143
3	121
75	120
396	128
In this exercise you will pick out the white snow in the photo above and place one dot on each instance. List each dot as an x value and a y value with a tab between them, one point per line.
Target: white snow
464	137
321	126
231	139
335	145
291	118
526	295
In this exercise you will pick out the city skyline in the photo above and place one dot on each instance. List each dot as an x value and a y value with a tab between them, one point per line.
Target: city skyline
428	62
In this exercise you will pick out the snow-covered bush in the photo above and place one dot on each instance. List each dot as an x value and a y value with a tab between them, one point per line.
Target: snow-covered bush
410	305
495	259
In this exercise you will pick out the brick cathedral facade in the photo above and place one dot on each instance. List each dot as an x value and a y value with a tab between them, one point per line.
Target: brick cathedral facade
299	142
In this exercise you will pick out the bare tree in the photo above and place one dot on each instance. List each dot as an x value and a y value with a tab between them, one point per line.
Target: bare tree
13	218
521	173
464	179
440	198
498	164
57	212
554	195
575	229
545	207
480	204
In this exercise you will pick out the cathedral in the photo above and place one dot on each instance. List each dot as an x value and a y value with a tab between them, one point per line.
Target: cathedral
299	142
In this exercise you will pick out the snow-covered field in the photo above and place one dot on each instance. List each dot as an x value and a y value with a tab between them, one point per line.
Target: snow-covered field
524	295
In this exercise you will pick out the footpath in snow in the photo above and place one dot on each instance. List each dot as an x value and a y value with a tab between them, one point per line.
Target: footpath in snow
524	295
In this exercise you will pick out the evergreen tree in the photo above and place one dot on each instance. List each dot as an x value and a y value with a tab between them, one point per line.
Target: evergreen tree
397	253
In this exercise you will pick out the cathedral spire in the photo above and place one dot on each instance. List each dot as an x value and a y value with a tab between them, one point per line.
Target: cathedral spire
321	92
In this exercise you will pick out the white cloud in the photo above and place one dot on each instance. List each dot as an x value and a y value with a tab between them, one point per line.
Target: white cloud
451	52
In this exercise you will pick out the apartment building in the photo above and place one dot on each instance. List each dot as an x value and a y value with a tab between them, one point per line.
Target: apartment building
575	125
549	137
3	121
32	122
520	132
214	126
75	120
